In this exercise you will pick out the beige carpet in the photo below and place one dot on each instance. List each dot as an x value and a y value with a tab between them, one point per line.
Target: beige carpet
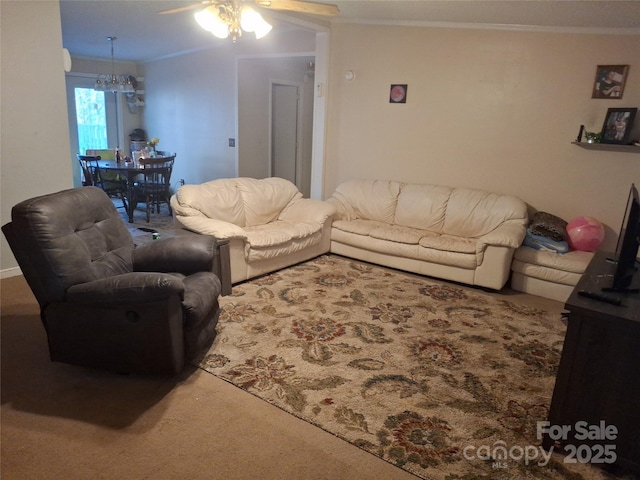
429	376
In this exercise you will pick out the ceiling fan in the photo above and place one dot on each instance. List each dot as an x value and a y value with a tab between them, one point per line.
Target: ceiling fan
301	6
225	18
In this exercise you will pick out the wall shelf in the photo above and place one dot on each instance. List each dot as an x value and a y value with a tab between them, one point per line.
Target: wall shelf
609	147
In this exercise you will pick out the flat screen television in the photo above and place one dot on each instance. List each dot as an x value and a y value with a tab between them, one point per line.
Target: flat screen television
628	244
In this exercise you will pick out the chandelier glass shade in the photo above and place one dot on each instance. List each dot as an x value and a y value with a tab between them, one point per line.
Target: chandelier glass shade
229	19
114	83
110	82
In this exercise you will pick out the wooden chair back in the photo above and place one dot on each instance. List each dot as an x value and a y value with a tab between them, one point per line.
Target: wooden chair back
88	163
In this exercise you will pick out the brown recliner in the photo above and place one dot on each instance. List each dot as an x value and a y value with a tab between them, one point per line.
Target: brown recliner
104	302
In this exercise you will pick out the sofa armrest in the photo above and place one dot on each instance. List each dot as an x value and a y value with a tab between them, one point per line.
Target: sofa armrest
506	235
341	212
126	289
307	210
183	254
213	227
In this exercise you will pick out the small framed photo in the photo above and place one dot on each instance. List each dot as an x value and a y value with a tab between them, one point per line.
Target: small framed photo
617	125
398	93
610	80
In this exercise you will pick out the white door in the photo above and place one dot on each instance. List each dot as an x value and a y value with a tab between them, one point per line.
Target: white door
284	132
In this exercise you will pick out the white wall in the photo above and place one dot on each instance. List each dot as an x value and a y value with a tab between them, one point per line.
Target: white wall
35	156
191	102
190	106
254	94
487	109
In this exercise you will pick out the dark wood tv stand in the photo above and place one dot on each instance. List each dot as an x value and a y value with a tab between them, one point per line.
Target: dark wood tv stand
599	375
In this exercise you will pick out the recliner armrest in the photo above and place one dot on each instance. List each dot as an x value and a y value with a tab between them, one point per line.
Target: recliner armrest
183	254
126	289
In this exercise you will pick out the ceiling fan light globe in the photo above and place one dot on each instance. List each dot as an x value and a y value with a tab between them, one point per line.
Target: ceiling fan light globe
249	19
221	32
252	21
210	20
263	29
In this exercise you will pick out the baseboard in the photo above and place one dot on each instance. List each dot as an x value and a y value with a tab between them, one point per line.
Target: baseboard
10	272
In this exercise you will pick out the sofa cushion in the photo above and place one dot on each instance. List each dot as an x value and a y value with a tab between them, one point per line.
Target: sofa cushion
279	232
269	244
280	238
400	234
547	274
454	259
358	226
217	199
240	201
449	243
422	206
369	199
556	268
264	199
573	262
368	242
449	250
472	213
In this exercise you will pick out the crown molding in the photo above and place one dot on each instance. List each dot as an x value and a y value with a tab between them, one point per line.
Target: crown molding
494	26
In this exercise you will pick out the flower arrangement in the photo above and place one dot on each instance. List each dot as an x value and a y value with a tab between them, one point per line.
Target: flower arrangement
153	142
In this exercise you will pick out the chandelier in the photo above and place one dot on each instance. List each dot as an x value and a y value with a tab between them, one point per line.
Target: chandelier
112	82
229	18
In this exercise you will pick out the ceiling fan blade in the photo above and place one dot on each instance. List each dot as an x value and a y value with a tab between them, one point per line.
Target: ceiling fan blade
300	6
186	7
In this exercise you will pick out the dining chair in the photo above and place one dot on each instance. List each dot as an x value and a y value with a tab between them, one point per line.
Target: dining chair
153	186
113	185
87	172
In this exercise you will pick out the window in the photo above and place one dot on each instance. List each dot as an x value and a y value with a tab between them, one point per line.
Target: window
91	119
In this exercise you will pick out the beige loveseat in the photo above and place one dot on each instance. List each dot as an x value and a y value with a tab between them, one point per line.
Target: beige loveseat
457	234
267	222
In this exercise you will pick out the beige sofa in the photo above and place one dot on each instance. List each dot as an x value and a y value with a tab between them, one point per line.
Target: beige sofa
267	222
457	234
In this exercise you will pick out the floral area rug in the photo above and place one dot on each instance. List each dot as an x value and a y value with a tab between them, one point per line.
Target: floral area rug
445	382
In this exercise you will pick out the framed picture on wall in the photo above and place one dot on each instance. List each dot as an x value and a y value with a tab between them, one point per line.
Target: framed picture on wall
617	125
398	93
610	80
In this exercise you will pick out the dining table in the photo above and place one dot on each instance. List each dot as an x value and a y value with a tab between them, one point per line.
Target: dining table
129	170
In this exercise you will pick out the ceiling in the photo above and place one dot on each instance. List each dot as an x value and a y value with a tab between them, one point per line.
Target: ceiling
143	35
